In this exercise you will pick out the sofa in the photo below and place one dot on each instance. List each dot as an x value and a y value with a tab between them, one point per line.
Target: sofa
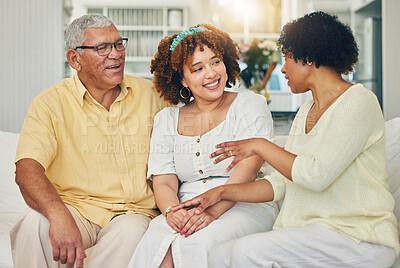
12	203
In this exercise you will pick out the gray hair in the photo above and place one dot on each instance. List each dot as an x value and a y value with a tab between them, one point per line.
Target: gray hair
75	35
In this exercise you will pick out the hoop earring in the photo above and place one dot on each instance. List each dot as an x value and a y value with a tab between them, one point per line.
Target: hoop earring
309	63
188	93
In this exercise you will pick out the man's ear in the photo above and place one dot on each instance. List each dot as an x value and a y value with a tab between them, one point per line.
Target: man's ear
73	58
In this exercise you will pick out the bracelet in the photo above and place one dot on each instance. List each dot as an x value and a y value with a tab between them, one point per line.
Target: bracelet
168	210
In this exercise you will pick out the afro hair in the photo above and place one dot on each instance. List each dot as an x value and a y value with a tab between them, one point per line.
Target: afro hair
321	38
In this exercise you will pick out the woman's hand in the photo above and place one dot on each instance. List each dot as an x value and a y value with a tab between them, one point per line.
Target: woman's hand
175	218
239	150
201	202
196	222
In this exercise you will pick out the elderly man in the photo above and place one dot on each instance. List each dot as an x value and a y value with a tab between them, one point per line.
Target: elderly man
82	158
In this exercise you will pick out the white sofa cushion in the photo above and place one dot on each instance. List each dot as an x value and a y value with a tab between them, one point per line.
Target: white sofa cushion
11	200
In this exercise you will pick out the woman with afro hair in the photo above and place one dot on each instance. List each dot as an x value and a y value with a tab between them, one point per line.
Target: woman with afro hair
194	68
337	210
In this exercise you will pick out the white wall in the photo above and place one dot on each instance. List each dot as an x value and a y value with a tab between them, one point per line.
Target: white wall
390	58
31	49
32	54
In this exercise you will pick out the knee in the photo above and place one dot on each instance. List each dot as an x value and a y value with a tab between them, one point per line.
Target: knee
130	226
36	221
33	225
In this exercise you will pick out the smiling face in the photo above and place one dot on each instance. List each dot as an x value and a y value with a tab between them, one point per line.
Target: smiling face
206	76
297	74
101	72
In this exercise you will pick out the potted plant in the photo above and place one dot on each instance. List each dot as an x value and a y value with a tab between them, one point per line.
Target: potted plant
261	57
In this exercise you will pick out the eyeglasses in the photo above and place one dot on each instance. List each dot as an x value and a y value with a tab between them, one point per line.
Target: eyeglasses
105	48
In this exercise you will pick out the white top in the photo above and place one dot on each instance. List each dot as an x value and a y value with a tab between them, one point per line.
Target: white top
188	156
339	176
171	153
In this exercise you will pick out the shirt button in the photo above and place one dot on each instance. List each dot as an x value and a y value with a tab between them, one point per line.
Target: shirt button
201	171
198	153
198	140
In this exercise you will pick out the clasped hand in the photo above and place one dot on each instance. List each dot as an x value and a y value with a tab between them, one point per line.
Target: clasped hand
198	206
185	221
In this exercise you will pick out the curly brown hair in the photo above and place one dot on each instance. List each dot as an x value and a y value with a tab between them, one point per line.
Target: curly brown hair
321	38
167	66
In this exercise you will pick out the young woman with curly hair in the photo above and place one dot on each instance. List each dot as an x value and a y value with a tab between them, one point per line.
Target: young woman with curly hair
337	210
194	68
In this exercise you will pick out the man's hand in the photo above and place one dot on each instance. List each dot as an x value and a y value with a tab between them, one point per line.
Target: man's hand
66	240
40	194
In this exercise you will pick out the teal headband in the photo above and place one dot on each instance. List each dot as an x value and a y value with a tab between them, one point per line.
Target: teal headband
183	34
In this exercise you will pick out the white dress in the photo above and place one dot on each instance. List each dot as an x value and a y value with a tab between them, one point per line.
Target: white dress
188	158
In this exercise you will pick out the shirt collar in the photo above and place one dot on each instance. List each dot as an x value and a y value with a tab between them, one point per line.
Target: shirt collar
82	93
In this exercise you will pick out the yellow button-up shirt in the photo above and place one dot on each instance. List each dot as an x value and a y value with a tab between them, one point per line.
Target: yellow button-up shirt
96	159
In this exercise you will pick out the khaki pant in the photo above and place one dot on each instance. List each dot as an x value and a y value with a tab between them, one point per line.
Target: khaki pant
111	246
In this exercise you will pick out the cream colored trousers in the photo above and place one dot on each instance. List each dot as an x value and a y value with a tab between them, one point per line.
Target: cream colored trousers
111	246
313	246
